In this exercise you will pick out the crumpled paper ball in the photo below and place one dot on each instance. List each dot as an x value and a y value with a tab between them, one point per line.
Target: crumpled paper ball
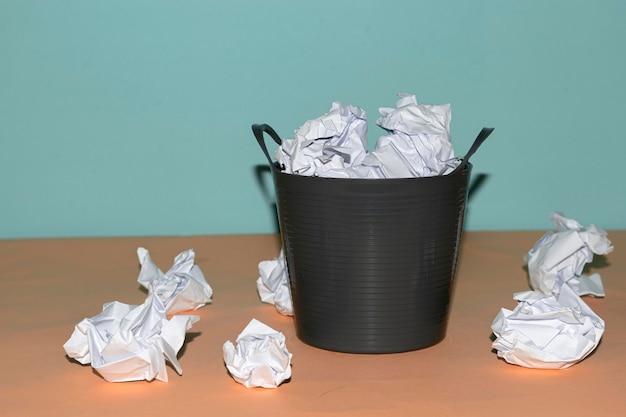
335	144
335	141
182	288
547	331
260	359
273	284
560	256
419	143
130	343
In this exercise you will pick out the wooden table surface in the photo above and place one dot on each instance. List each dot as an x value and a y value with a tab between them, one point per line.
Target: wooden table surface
49	285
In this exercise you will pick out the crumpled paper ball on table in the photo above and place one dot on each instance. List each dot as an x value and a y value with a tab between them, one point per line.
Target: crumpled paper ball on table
130	343
558	258
273	284
335	144
547	331
182	288
260	359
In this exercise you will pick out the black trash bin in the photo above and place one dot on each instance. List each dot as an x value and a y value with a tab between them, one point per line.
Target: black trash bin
371	262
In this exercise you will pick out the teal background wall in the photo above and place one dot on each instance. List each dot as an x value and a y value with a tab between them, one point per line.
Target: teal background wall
133	117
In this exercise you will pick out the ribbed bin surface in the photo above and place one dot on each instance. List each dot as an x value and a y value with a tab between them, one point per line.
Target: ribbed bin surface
371	261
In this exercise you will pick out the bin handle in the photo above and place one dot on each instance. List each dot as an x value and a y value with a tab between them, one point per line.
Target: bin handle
258	130
482	136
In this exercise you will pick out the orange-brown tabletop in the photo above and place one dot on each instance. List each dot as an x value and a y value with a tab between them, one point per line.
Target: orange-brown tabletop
48	285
